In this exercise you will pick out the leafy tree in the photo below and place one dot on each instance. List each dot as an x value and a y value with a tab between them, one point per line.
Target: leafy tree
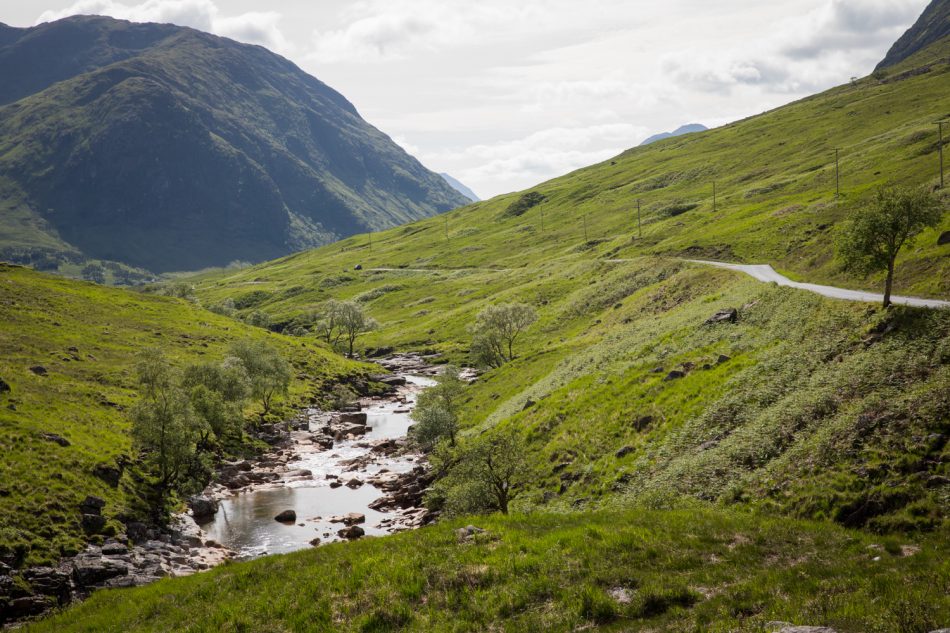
495	330
483	474
874	236
267	370
327	321
164	426
342	396
258	318
437	408
94	272
217	393
353	321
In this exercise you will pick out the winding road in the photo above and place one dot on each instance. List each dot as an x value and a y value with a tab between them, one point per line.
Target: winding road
764	272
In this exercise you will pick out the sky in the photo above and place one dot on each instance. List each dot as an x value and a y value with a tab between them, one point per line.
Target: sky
504	95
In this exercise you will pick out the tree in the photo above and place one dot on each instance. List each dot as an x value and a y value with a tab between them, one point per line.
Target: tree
164	426
483	474
495	330
436	410
327	321
217	393
874	236
94	272
353	321
268	372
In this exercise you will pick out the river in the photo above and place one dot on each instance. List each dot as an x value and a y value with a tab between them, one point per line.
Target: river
245	521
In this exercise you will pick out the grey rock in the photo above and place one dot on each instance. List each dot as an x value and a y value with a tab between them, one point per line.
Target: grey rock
88	573
626	450
358	419
287	516
57	439
114	549
203	507
39	370
673	375
726	315
92	504
351	532
4	387
93	523
108	473
27	606
354	483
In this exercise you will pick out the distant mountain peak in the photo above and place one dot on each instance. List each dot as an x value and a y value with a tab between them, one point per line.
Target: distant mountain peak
461	188
176	149
681	130
932	26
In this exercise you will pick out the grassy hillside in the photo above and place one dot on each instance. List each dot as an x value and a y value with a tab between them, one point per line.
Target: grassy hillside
818	408
633	571
775	182
86	338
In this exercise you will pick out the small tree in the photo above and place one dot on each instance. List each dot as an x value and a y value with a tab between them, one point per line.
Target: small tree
436	410
94	272
495	330
483	474
164	426
874	236
353	321
268	372
217	393
327	321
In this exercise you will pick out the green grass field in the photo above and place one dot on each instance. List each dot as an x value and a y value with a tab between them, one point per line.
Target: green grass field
87	337
691	570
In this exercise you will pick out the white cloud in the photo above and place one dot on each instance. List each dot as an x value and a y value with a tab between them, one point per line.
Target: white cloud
251	27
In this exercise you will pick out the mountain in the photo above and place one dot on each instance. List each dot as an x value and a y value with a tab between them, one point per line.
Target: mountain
167	148
458	186
683	129
932	26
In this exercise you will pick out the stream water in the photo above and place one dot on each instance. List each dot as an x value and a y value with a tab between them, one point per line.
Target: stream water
245	522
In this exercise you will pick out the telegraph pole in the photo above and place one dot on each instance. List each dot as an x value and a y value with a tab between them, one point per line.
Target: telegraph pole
639	226
940	148
837	181
585	228
446	224
714	196
370	240
542	217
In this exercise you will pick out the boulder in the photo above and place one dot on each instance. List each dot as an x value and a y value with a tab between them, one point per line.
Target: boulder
389	379
315	542
467	533
726	315
354	483
27	606
351	532
722	358
91	572
114	549
944	239
358	419
93	523
203	507
300	473
287	516
48	581
56	439
4	387
136	531
39	370
336	483
643	422
108	473
673	375
92	504
623	452
352	518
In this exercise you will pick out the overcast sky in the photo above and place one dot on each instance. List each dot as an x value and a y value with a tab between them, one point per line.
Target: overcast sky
503	95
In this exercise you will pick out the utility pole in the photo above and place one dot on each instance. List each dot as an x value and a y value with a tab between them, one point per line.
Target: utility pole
542	217
370	240
714	196
446	224
837	180
585	228
940	148
639	226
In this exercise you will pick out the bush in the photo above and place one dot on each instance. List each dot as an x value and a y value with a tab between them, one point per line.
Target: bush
522	204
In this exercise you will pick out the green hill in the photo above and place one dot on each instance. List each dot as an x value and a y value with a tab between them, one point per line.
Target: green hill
85	340
166	148
815	412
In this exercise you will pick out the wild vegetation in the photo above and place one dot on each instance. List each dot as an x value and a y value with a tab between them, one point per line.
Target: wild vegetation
70	388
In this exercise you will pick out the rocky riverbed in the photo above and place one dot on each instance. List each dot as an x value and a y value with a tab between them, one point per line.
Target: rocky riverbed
334	475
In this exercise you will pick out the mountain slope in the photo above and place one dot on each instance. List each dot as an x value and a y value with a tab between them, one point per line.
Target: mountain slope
932	26
802	376
460	187
171	149
681	130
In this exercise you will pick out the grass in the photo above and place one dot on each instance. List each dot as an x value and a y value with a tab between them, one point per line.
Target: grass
689	570
87	337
